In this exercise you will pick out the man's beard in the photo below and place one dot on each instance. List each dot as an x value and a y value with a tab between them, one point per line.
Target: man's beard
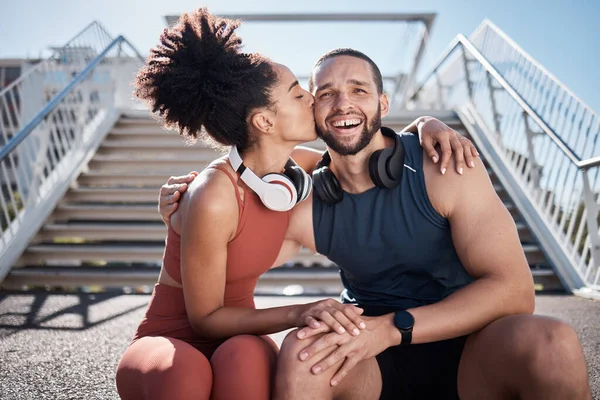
369	129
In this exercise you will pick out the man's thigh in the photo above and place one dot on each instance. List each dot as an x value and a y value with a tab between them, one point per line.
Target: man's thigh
524	355
363	382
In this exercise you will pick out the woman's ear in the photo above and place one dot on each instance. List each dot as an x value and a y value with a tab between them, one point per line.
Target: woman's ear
263	121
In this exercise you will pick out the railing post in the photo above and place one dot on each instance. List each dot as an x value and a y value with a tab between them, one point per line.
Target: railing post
467	74
495	114
535	167
441	104
591	220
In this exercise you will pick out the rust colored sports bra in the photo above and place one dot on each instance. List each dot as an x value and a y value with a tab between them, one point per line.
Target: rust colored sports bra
252	251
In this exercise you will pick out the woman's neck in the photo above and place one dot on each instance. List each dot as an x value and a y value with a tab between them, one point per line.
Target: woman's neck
265	158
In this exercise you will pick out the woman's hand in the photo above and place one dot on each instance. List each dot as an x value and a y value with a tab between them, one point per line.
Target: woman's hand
328	316
170	194
434	132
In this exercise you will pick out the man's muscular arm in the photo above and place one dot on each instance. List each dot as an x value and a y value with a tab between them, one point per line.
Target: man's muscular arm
488	245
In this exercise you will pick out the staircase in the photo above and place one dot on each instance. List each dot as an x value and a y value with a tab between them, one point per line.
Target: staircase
80	179
109	218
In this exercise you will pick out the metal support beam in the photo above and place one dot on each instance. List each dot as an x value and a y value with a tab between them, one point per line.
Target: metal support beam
427	18
592	221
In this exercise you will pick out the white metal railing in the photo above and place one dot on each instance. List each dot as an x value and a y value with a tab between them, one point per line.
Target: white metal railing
57	112
546	136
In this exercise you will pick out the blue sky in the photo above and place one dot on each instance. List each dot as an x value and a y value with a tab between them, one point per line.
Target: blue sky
562	35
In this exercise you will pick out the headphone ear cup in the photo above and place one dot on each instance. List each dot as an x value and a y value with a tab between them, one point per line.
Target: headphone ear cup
301	181
306	187
327	186
378	170
374	168
281	195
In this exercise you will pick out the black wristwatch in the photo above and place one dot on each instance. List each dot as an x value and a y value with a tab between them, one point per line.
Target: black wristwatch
404	321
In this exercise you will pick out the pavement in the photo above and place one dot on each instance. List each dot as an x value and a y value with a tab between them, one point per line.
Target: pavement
66	346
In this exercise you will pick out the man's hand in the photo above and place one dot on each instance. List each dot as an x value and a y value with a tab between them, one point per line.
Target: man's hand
433	131
170	194
380	333
326	316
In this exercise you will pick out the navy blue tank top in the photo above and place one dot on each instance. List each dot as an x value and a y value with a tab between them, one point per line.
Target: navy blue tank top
393	248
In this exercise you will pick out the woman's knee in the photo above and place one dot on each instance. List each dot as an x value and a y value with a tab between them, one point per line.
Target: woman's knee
163	368
243	349
244	367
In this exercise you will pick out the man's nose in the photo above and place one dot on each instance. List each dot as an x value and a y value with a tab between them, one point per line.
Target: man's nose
342	102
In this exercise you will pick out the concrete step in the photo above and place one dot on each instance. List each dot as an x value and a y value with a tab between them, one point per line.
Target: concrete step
311	280
124	131
138	252
127	179
153	252
112	195
132	148
106	212
104	232
145	139
129	212
111	231
120	164
137	120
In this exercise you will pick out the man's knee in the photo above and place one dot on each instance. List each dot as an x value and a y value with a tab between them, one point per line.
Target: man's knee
291	348
557	348
293	374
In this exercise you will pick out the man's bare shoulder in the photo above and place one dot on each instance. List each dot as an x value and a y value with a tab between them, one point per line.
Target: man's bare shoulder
447	191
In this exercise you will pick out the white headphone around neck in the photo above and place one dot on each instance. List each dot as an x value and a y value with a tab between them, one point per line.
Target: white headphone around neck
278	192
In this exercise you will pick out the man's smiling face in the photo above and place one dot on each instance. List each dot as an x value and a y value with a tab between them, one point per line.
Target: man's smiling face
348	105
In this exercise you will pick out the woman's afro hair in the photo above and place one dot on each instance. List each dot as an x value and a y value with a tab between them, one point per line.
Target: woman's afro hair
198	77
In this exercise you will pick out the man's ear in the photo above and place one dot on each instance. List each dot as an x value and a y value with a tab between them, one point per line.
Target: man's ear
384	102
263	121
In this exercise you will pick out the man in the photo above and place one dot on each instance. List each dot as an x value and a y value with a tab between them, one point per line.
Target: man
435	262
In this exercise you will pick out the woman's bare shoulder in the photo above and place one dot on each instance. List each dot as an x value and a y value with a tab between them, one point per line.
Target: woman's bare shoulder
212	191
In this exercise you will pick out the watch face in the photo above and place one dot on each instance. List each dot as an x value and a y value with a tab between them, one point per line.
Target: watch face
403	320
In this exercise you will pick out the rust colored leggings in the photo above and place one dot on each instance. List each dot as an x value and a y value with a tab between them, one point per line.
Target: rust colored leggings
158	367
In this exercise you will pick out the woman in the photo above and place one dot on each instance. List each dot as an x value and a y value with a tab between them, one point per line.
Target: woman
201	336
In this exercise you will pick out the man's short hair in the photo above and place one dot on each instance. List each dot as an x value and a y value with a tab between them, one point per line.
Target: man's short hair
352	53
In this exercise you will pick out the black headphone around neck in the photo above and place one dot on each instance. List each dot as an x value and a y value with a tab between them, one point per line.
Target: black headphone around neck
385	169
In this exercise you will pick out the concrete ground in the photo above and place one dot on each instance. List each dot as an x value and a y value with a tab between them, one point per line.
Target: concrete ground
66	346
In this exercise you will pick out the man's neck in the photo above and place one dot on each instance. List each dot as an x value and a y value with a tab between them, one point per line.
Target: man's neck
353	171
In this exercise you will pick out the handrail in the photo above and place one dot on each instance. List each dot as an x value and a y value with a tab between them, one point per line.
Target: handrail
564	147
91	24
489	24
38	65
543	142
26	131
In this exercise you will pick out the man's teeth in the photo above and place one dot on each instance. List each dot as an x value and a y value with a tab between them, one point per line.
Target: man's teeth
347	122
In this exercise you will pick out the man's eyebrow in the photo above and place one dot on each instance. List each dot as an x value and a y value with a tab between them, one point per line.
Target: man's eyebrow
350	81
292	85
357	82
325	86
